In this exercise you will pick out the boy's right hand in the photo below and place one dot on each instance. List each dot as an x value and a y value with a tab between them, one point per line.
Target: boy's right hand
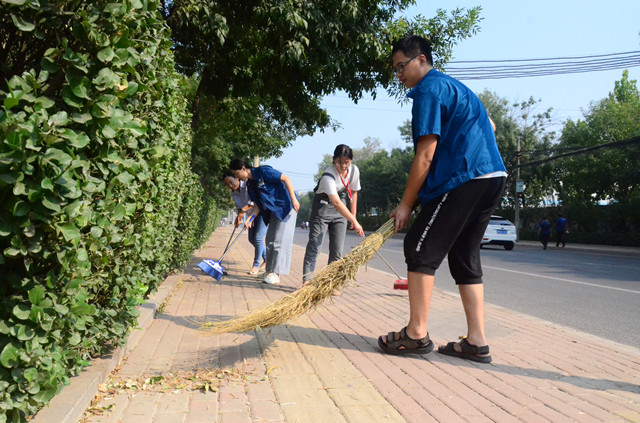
402	214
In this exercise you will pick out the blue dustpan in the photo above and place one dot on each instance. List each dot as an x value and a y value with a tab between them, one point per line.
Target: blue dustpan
211	268
214	268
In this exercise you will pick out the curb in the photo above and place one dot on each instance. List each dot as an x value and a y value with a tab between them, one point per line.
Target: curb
69	405
595	248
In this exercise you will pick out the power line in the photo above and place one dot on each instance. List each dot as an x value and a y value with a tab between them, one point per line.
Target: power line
544	67
593	56
616	144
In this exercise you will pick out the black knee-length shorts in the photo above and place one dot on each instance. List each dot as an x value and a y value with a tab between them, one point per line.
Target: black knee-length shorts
453	224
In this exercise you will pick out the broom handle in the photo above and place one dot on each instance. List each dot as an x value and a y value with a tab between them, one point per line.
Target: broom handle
229	242
385	262
234	241
388	265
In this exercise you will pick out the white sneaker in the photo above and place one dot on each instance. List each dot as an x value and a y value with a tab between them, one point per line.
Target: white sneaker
272	278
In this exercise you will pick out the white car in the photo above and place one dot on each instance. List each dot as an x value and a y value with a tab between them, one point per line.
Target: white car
500	232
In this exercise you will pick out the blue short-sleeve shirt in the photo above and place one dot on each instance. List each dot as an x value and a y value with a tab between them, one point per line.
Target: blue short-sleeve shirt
467	147
545	228
269	192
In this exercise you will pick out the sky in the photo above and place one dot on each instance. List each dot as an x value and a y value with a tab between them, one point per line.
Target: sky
509	30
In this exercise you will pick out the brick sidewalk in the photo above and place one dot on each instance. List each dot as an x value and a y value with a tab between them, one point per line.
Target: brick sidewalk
326	366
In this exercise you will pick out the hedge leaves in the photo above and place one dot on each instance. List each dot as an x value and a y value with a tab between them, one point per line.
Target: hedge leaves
99	202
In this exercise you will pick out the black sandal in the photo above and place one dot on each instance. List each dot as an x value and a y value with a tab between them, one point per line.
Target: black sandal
468	351
400	343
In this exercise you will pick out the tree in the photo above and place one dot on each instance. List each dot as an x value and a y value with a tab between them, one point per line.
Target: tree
383	179
605	174
274	61
521	120
371	147
406	133
291	53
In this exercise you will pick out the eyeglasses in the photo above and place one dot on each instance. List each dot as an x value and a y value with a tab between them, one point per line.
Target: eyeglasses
400	68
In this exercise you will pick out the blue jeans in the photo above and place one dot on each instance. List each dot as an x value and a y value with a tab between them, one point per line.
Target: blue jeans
256	238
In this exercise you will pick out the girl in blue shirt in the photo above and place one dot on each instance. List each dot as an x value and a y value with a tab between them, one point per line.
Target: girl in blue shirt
272	193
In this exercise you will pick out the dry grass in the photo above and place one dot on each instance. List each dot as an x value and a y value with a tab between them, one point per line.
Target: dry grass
333	277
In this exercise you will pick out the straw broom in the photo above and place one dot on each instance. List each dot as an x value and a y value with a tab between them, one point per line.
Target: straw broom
332	277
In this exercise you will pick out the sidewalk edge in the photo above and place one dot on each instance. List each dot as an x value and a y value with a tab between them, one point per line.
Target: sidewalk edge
69	405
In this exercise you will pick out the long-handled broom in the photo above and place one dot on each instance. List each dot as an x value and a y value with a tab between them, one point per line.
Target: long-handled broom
334	276
400	283
214	268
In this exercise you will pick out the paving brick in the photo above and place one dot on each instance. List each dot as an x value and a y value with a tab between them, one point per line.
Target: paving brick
233	399
266	411
372	413
174	403
112	409
142	408
629	416
301	389
234	417
260	391
170	418
305	414
203	408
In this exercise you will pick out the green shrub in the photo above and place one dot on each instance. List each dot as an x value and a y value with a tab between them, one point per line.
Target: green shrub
95	182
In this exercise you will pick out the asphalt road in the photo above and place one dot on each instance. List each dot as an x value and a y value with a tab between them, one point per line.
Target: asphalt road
597	292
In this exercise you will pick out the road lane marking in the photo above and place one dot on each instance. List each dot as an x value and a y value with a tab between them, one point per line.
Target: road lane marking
562	279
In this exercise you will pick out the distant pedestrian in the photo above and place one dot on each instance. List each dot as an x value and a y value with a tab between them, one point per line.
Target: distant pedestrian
561	229
544	230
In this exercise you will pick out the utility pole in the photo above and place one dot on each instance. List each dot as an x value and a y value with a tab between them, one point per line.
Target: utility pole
519	192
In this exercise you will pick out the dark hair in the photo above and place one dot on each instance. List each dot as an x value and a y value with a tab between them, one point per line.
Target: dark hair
343	151
237	164
227	174
412	45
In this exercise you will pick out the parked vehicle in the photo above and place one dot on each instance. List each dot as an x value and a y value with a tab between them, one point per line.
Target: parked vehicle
500	231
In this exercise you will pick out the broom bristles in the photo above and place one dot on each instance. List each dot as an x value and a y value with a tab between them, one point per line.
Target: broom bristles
321	287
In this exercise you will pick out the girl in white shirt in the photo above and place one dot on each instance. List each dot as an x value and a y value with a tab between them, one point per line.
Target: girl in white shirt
334	204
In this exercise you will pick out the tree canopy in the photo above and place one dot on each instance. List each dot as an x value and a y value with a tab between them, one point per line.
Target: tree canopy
606	174
262	67
524	122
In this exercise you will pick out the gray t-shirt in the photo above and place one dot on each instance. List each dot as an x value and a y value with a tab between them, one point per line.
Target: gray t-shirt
335	185
241	197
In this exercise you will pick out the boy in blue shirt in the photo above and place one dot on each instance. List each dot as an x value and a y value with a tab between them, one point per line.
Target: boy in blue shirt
544	230
561	229
458	177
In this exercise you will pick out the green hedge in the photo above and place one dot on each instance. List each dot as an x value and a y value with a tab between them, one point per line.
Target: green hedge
95	182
